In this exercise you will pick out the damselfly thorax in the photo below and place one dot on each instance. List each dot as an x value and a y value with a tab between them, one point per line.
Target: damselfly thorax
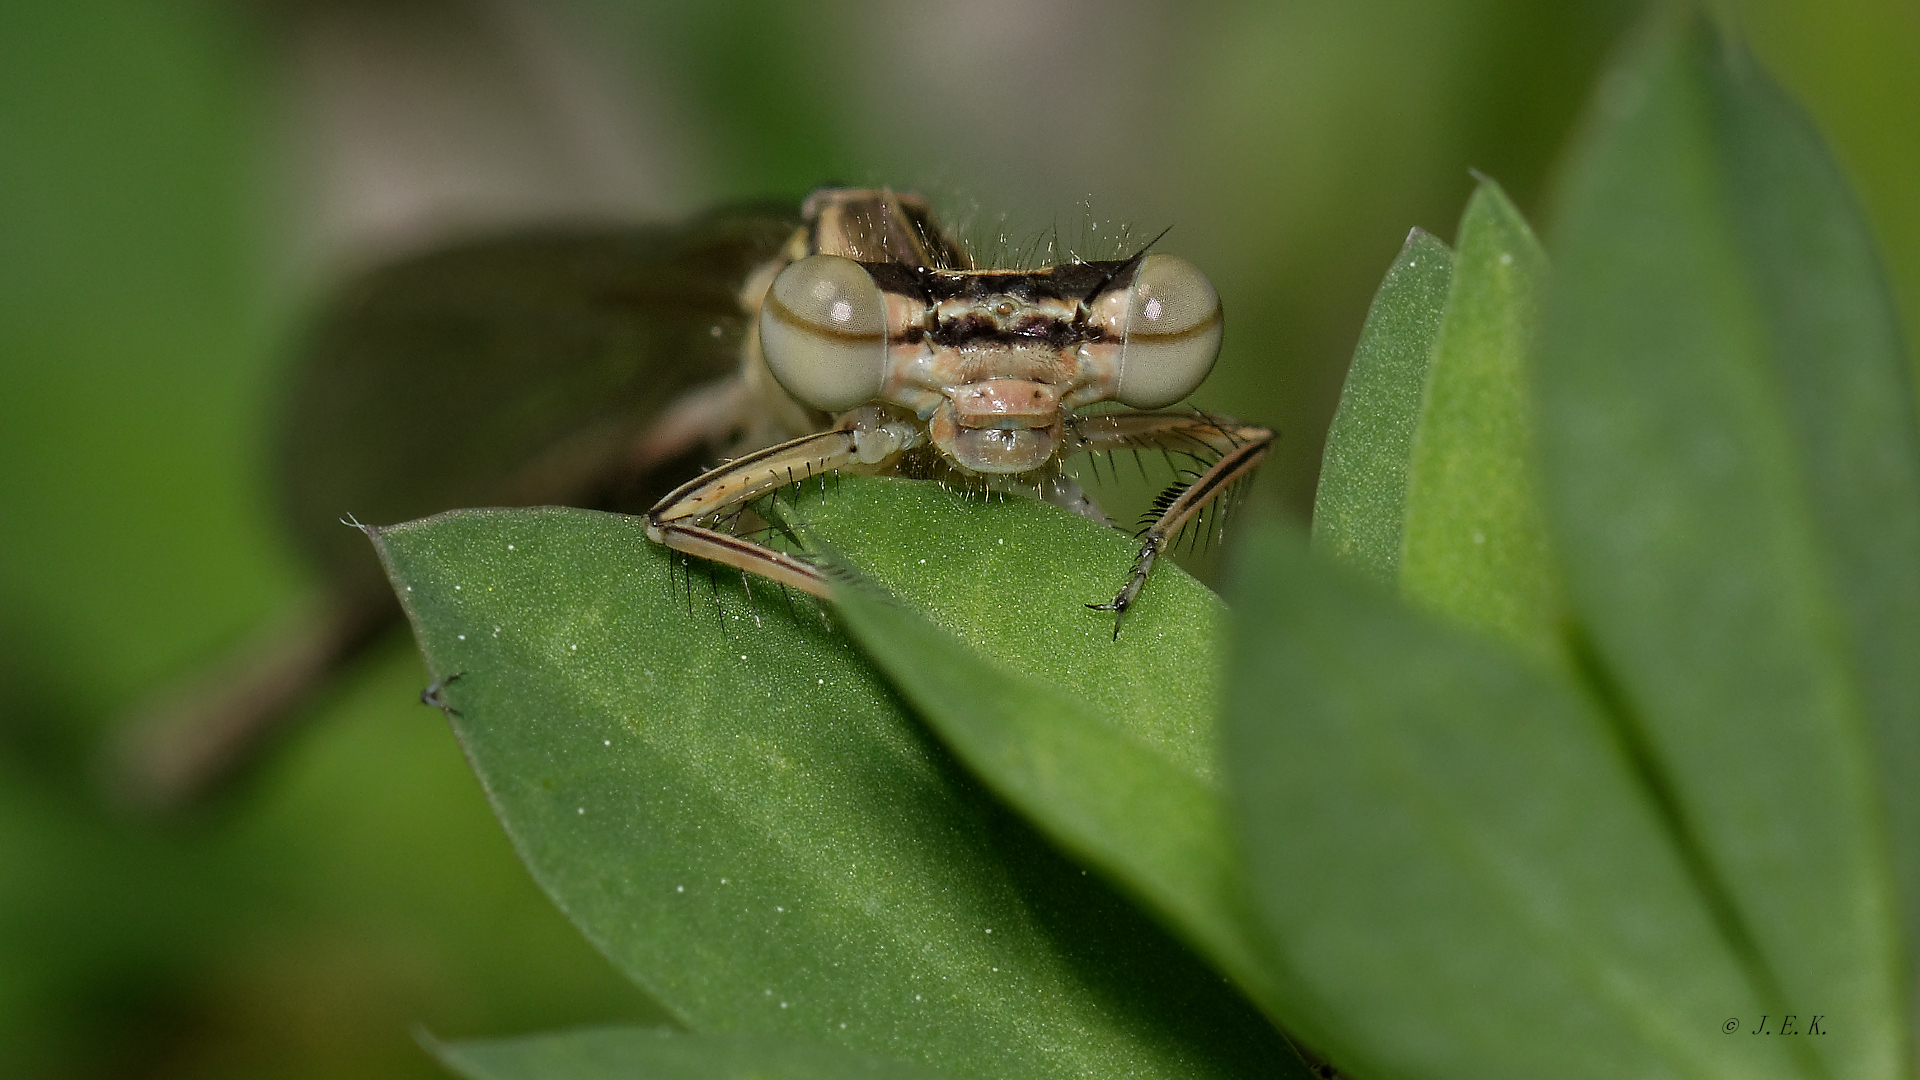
875	327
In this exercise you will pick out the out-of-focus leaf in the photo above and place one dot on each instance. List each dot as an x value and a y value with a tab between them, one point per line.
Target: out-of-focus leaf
662	1054
1361	502
1733	474
1138	813
1456	864
1474	545
737	812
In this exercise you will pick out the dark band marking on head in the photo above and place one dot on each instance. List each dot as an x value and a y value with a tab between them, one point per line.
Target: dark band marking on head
786	315
1201	327
980	330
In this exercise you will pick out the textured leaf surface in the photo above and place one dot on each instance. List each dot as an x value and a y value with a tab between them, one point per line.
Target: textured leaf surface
1139	813
1474	545
1011	578
1360	504
661	1054
738	812
1731	457
1453	857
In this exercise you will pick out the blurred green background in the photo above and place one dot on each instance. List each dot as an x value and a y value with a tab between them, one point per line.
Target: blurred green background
180	180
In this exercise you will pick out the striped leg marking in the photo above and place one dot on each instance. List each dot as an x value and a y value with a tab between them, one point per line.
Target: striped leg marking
675	520
1240	448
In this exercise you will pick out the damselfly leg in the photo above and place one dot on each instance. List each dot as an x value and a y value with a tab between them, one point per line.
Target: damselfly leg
1231	451
1235	449
681	520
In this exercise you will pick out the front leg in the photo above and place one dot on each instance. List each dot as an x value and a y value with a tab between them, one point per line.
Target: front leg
867	438
1239	448
675	520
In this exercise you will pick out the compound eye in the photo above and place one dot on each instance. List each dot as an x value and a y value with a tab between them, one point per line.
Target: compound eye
823	330
1173	333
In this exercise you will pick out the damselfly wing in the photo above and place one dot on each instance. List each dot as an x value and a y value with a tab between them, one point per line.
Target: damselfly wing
596	367
593	366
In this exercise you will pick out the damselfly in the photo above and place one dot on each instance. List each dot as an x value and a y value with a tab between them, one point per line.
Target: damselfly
933	367
604	367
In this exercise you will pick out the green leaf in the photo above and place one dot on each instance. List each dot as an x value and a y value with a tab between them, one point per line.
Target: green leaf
1474	546
1360	505
1734	478
662	1054
1012	577
1143	815
738	813
1452	855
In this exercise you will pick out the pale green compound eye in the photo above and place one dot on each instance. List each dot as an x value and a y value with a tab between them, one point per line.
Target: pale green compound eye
1172	335
823	331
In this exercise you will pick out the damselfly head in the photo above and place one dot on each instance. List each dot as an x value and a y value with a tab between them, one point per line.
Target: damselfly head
984	356
991	361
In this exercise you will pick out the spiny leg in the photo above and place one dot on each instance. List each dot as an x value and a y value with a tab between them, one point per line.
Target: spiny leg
675	520
1240	448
